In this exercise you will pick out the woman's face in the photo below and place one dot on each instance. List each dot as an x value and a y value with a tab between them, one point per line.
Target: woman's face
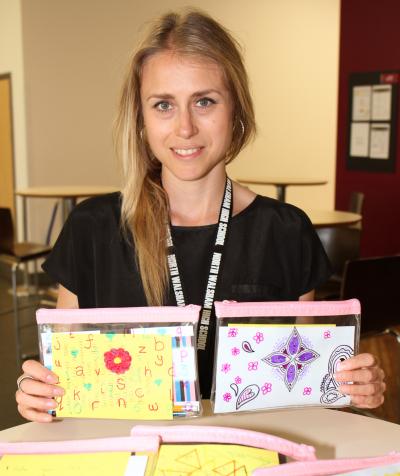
187	112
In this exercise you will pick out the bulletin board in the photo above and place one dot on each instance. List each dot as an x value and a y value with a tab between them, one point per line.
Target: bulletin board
372	130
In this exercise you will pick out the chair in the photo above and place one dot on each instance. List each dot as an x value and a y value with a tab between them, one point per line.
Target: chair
341	244
375	282
15	254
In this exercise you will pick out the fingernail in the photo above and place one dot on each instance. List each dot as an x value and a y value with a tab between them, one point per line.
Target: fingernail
51	404
341	366
51	378
47	418
58	391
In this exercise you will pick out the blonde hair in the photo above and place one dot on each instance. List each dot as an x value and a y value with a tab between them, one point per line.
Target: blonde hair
145	210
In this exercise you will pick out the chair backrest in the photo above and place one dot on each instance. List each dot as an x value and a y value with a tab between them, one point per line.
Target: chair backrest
6	231
356	202
341	244
375	282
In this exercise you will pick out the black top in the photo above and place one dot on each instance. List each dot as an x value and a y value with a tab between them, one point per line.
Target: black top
272	253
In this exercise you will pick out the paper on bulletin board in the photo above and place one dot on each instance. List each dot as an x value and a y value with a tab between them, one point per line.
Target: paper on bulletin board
359	139
380	141
264	367
114	375
89	464
381	102
361	107
212	459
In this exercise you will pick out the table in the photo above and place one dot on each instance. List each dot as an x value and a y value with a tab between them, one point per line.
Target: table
68	193
335	434
322	218
282	183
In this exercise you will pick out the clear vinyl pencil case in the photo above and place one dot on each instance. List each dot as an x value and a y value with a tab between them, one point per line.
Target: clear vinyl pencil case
133	363
282	354
157	451
182	450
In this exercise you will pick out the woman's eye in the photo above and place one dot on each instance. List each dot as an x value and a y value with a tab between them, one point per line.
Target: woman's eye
205	102
163	106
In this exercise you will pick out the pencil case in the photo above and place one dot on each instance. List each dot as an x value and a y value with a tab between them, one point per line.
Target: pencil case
182	450
158	451
282	354
387	465
132	363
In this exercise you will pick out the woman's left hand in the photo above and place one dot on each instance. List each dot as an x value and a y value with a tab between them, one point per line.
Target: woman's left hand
367	387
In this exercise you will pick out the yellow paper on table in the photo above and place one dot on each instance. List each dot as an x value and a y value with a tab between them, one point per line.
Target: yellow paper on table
202	460
89	464
114	375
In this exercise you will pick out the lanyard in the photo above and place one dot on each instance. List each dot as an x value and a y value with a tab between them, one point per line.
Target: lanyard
224	217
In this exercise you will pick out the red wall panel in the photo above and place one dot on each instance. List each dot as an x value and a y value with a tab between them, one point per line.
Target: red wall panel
369	41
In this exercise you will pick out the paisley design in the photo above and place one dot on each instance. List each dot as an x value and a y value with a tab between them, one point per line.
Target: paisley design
235	388
247	395
329	386
246	346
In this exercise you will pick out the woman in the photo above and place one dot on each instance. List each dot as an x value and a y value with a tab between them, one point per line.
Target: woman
186	112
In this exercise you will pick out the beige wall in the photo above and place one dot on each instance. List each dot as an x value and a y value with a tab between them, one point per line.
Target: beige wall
11	61
75	53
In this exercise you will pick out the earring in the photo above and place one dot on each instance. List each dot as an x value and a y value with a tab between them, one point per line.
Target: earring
242	126
141	134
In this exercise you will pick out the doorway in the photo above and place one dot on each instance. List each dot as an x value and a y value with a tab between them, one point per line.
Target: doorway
7	175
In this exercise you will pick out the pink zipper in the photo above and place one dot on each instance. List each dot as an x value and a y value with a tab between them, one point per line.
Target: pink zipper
287	308
327	467
219	434
125	443
163	314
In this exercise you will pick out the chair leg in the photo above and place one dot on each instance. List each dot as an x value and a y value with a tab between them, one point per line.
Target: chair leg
36	277
14	269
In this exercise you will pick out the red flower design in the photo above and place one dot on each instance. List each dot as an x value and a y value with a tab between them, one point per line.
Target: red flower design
117	360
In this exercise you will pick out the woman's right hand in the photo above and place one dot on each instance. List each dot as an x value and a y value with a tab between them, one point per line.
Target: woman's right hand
36	394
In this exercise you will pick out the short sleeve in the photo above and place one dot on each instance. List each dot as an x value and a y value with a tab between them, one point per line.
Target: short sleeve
315	265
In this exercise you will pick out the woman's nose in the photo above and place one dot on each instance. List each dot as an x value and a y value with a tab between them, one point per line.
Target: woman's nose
185	126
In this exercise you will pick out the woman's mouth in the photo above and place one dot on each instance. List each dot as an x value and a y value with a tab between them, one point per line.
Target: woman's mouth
187	153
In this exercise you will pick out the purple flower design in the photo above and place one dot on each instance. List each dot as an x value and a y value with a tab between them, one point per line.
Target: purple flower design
227	396
235	351
233	332
238	380
259	337
226	368
252	365
266	388
292	358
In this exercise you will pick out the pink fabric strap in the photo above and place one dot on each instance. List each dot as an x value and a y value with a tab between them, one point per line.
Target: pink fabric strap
219	434
126	443
327	467
287	308
164	314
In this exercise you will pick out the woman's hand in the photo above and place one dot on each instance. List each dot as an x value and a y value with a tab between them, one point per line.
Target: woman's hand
36	394
368	386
